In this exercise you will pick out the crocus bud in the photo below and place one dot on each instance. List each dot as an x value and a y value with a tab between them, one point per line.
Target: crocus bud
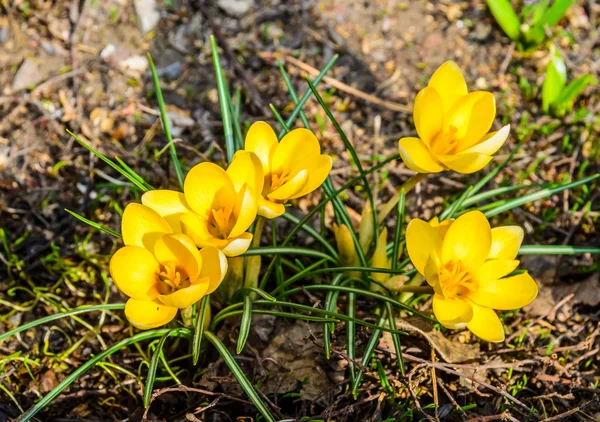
381	260
365	228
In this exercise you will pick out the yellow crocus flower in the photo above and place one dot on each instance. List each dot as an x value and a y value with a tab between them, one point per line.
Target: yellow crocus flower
452	125
292	168
467	264
217	206
159	270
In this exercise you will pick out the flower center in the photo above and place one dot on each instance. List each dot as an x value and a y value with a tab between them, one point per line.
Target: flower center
456	280
172	278
276	179
445	141
220	222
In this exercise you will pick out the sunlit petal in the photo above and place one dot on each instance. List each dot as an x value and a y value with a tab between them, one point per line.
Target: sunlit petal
290	188
144	314
422	240
244	211
495	269
506	242
246	169
471	118
236	245
465	163
270	209
181	250
486	325
490	143
318	169
506	293
169	204
142	226
468	240
449	82
261	140
183	298
296	146
207	186
452	313
135	272
428	114
417	156
197	228
214	267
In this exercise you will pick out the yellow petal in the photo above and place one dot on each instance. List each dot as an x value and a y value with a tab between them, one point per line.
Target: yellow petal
214	267
468	240
318	169
471	117
506	242
422	240
261	140
270	209
237	245
295	147
207	186
486	325
244	211
441	227
142	226
449	82
183	298
506	293
197	229
246	169
181	250
452	313
417	156
290	188
347	256
366	228
465	163
135	272
169	204
490	143
380	259
495	269
145	314
428	114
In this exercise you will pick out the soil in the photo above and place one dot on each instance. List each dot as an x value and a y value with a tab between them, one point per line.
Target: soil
82	66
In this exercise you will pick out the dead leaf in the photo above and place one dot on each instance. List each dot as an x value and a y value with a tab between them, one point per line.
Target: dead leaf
48	381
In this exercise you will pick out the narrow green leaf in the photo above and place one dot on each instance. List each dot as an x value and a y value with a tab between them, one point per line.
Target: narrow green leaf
457	204
108	161
315	234
395	337
556	77
60	315
475	199
506	17
281	250
235	115
224	101
292	92
351	334
298	276
540	194
149	385
330	306
279	118
368	354
556	250
398	231
132	172
245	324
564	103
557	11
95	225
241	378
84	367
199	329
165	121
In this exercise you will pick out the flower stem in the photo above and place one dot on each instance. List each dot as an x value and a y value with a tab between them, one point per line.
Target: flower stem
407	186
253	263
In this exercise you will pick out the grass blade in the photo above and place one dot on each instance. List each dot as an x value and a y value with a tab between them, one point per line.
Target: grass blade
398	231
239	375
366	359
95	225
395	337
224	101
542	193
165	122
280	250
145	335
149	386
199	329
245	324
506	17
108	161
292	92
556	250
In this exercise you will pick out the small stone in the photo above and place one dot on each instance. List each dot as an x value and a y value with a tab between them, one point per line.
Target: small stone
172	71
147	14
3	33
136	64
235	8
52	48
27	76
482	31
481	83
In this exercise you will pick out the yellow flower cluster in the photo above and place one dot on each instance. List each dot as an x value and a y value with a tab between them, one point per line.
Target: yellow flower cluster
177	244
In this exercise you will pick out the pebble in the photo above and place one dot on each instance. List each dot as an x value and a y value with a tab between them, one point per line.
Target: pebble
28	75
235	8
172	71
147	14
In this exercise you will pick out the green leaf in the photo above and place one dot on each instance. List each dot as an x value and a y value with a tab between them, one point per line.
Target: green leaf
292	91
165	122
149	386
199	329
506	17
224	101
280	250
330	306
240	376
557	11
315	234
125	173
564	103
395	337
84	367
95	225
556	77
60	315
245	324
534	196
398	231
556	250
368	354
